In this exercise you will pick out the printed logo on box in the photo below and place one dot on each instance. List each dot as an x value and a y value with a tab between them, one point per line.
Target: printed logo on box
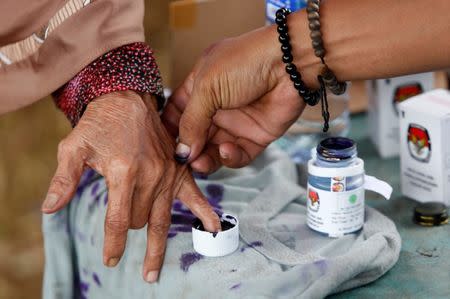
419	143
404	92
314	200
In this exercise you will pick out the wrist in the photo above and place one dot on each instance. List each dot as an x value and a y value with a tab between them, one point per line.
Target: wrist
304	59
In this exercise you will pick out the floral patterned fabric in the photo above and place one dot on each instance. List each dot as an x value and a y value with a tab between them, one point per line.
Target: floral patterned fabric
278	256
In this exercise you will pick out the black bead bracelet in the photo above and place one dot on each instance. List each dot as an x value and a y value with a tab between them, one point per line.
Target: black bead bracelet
311	97
329	78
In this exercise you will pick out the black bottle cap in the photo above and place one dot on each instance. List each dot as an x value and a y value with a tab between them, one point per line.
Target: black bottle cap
431	214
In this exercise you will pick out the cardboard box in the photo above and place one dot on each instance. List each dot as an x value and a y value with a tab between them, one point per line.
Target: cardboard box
384	97
196	24
273	5
425	147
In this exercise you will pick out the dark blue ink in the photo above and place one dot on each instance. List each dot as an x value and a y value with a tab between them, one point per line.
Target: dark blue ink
84	287
200	176
105	199
188	259
233	270
94	189
252	245
86	179
236	286
182	218
96	279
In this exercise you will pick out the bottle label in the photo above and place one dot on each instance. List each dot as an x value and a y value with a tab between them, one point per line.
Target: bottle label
335	212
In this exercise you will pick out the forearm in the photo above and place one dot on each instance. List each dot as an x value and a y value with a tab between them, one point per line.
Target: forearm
367	39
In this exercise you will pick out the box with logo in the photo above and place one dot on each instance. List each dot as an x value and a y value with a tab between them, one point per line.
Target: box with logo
384	96
273	5
425	146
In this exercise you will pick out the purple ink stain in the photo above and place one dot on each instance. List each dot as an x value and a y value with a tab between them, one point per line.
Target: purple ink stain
86	179
236	286
80	236
188	259
322	266
200	176
182	219
252	245
84	287
96	279
94	189
214	193
105	199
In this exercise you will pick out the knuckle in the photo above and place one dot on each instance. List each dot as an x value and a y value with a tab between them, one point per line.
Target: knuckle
159	228
61	181
123	167
118	224
165	188
65	148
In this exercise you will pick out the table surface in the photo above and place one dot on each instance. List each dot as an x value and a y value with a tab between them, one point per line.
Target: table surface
423	270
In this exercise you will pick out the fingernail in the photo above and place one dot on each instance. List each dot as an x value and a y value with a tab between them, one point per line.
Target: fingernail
152	276
112	262
224	155
50	201
182	153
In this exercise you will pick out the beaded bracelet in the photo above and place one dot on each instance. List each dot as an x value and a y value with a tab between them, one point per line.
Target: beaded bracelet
311	97
329	78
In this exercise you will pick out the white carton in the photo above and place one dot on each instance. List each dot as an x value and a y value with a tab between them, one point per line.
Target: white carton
425	146
384	96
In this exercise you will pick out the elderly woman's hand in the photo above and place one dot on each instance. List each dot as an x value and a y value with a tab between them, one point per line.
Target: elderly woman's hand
121	136
239	95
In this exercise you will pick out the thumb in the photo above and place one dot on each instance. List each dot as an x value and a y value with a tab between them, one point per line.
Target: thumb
65	180
194	126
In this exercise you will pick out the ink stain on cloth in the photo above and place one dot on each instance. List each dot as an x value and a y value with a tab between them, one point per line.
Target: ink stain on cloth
252	245
236	286
322	266
188	259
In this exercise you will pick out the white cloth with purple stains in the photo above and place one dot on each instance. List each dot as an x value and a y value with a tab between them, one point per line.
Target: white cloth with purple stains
278	256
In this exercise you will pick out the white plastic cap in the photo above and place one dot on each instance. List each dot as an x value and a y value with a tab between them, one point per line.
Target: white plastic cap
220	243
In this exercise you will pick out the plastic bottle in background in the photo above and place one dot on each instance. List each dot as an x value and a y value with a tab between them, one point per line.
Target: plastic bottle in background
273	5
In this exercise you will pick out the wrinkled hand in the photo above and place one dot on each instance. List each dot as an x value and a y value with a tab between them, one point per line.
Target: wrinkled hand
121	137
236	101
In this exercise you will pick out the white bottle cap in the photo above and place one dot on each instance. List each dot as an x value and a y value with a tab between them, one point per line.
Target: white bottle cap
216	244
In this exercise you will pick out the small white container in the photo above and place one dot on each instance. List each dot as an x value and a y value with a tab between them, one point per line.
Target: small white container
216	244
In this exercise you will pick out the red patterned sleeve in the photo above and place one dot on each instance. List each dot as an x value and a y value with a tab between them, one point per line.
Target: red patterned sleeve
129	67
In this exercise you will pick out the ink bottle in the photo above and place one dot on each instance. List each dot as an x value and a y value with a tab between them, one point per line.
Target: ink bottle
335	193
336	152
